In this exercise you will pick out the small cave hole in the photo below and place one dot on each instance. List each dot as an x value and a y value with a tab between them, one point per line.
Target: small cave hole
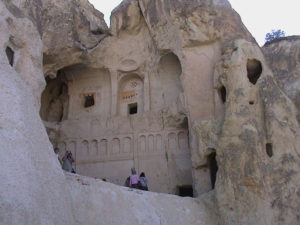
132	108
223	94
10	55
185	191
89	100
251	102
97	32
269	149
254	70
213	168
62	89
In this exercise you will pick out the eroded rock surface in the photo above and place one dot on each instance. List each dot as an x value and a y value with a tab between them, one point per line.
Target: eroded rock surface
283	56
179	90
68	29
110	204
33	188
165	55
258	149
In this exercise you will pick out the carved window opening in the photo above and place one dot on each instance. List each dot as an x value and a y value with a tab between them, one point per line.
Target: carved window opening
132	108
254	70
269	149
213	168
10	55
185	191
223	94
89	100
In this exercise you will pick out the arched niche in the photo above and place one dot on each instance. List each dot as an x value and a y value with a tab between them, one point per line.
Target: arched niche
89	91
55	100
166	85
131	95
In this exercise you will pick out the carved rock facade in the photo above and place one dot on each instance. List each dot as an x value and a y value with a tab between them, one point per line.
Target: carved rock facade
179	90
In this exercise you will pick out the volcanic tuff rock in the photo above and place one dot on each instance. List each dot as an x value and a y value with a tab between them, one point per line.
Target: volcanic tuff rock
68	29
283	56
258	148
219	87
110	204
33	188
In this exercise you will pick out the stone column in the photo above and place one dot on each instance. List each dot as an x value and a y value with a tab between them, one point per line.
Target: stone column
146	93
114	92
135	151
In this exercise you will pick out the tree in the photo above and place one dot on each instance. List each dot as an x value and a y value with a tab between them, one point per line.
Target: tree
274	34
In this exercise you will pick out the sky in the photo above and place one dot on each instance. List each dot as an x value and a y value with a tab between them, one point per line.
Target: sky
259	16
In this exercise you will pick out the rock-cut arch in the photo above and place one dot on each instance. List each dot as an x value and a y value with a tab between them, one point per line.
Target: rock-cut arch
166	85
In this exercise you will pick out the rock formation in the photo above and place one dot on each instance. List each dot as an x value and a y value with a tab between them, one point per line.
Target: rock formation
110	204
162	57
68	29
257	149
178	89
33	189
283	56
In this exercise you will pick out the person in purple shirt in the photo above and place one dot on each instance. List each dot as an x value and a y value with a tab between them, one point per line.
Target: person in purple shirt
134	179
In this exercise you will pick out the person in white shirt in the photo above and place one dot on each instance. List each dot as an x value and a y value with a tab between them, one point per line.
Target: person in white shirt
67	162
56	150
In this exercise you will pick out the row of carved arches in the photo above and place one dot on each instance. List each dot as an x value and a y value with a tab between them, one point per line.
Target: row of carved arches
152	143
98	147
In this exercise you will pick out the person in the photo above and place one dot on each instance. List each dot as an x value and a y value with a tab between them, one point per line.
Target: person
67	162
127	182
134	179
56	150
143	183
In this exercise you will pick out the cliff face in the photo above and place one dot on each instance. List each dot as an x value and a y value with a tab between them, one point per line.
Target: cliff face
203	91
283	56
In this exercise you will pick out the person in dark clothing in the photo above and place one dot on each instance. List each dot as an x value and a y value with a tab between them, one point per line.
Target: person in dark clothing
143	182
127	182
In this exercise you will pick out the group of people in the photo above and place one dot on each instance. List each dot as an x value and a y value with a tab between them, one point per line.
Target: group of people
137	182
133	181
67	161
